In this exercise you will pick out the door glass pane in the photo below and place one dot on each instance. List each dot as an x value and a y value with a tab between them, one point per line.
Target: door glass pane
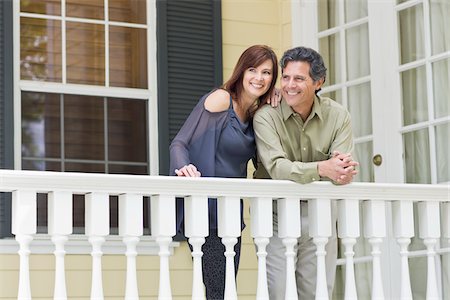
441	87
90	9
40	49
443	152
417	156
360	108
329	49
334	95
355	9
127	134
85	53
329	14
358	61
411	34
364	154
127	56
130	11
414	89
440	22
84	128
41	123
48	7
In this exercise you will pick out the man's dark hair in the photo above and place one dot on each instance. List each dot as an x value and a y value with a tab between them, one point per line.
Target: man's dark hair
317	69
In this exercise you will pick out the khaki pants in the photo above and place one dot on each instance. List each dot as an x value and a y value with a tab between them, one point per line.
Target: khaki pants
305	259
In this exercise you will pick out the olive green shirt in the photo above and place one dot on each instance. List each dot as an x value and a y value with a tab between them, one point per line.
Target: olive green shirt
288	148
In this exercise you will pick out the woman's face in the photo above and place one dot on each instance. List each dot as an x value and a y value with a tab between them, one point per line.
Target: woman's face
257	80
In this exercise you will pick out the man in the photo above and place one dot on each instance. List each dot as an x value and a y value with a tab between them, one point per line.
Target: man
306	138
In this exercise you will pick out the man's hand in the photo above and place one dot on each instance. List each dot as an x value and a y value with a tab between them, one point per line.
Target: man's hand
188	171
340	168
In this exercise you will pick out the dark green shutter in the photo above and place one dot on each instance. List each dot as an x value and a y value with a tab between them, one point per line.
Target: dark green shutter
189	62
6	109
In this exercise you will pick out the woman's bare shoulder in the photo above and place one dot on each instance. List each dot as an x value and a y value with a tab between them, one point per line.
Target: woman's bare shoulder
218	101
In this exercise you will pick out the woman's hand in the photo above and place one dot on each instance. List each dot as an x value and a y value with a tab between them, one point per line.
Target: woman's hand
275	98
188	171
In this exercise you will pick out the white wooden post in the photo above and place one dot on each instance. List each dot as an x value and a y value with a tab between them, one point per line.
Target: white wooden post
429	231
319	217
59	227
196	229
97	227
23	227
403	226
348	229
261	231
375	231
229	229
130	229
446	221
163	229
289	229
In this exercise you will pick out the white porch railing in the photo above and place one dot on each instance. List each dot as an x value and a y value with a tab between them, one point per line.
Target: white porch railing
434	224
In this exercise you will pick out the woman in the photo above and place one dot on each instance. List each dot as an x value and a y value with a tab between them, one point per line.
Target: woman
217	140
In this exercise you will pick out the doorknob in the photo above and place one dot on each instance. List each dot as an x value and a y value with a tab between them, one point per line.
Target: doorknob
377	159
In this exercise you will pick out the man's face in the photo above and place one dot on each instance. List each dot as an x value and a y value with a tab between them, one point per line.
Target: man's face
297	86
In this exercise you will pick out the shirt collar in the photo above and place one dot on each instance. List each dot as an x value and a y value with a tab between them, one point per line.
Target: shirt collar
316	110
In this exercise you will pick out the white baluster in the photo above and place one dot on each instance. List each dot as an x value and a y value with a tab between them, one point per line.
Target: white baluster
429	231
23	227
261	231
375	230
403	226
97	227
446	221
229	228
196	228
59	227
348	228
130	228
319	217
163	229
289	229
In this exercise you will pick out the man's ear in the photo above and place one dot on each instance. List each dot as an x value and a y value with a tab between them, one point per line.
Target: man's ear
319	83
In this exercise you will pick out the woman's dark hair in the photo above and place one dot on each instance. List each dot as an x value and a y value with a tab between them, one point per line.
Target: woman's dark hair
317	69
254	56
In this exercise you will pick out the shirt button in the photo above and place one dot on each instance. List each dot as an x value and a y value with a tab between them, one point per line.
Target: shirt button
304	148
314	179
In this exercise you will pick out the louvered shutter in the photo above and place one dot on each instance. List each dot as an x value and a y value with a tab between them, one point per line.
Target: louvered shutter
189	62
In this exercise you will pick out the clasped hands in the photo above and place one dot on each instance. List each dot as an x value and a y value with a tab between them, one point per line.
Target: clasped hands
340	167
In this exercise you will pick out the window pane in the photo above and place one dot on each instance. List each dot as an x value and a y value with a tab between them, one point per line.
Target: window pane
48	7
86	168
364	154
441	87
355	9
85	53
358	61
442	152
127	130
440	22
89	9
329	14
417	156
414	91
41	125
130	11
40	49
41	165
335	95
128	57
125	169
360	108
84	127
329	49
411	34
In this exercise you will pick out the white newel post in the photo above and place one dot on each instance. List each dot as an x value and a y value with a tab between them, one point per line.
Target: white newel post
131	229
289	229
59	227
375	230
429	231
97	227
196	229
23	227
348	229
163	229
262	230
229	229
319	216
403	226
